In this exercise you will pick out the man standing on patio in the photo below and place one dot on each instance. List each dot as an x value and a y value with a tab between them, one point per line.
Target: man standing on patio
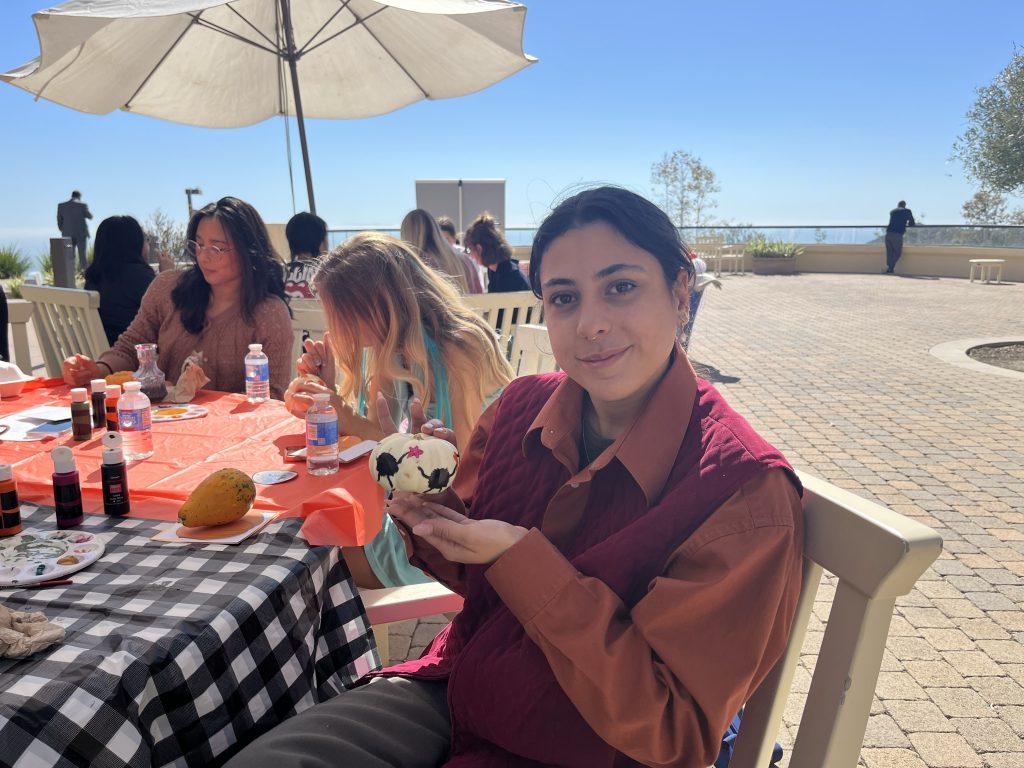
71	216
900	218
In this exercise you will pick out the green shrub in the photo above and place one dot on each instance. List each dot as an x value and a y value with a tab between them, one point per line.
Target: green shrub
761	247
13	289
46	267
12	262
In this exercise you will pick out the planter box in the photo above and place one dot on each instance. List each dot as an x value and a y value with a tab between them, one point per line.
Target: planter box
774	266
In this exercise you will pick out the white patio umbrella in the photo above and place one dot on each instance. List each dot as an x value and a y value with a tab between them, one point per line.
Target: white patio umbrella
229	63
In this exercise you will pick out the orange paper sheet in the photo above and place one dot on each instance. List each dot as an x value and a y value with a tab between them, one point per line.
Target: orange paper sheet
342	509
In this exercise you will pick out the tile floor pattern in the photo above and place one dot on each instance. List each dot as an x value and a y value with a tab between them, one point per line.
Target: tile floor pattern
835	370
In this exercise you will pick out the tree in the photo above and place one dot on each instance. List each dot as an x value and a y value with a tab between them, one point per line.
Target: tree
986	207
992	147
686	187
165	234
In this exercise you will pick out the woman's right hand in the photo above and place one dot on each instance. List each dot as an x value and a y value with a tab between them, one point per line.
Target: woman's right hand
316	359
79	370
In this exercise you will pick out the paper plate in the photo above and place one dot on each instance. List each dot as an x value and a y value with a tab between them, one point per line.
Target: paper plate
173	412
35	556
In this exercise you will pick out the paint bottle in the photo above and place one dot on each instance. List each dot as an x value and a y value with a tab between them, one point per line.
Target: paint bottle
110	406
99	403
81	419
115	477
67	493
10	510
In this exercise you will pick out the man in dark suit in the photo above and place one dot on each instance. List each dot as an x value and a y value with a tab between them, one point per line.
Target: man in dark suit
900	218
71	216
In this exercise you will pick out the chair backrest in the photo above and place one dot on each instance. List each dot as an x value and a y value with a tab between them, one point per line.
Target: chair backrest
308	318
67	322
531	351
505	311
708	245
877	555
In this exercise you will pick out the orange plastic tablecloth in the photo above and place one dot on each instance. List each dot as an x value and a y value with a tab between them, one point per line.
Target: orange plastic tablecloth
343	509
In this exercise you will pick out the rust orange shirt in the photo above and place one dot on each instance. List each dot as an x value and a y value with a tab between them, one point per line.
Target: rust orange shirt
649	680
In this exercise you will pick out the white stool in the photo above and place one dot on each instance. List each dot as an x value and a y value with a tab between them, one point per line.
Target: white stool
984	268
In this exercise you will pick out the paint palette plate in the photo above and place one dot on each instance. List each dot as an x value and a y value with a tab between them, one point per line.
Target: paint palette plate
171	412
35	556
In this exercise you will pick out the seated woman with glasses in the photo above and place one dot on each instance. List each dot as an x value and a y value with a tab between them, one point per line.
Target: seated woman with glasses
232	296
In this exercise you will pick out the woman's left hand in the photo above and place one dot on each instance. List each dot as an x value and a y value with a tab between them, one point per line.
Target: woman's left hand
457	537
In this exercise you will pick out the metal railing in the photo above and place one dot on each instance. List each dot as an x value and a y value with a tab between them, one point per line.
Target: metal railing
958	235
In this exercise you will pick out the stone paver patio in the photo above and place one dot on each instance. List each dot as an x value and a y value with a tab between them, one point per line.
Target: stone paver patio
835	370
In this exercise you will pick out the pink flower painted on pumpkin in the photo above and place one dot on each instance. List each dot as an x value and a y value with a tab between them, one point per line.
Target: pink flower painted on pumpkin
415	451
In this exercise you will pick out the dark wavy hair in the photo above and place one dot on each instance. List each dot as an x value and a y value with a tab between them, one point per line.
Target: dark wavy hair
262	271
634	217
119	241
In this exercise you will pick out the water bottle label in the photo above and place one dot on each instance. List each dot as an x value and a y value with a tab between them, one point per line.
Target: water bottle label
257	372
322	433
135	421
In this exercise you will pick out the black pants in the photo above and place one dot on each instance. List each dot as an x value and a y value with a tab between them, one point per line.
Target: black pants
893	249
81	245
389	723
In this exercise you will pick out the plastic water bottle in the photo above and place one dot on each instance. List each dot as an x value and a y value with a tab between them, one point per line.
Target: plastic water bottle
322	436
257	375
135	422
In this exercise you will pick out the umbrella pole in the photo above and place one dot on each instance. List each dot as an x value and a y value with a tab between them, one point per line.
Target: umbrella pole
292	59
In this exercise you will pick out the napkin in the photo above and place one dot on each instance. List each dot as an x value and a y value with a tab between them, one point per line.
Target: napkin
191	380
23	633
334	518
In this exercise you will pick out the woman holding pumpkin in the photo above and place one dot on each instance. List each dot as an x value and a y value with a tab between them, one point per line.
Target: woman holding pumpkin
629	549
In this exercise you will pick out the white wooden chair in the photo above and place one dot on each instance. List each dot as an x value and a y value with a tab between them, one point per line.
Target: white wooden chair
876	554
307	317
733	259
67	322
505	311
386	606
709	248
531	351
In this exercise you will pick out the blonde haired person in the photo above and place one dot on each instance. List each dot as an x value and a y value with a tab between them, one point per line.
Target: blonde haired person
400	328
421	231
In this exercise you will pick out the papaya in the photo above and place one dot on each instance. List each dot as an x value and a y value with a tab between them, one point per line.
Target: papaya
221	498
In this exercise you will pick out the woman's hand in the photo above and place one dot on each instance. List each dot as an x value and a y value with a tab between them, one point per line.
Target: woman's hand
79	370
457	537
299	395
418	421
316	359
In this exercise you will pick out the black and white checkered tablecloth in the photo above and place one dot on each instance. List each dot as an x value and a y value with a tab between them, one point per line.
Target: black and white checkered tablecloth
175	653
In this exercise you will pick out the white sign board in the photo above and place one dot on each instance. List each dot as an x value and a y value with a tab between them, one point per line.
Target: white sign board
462	200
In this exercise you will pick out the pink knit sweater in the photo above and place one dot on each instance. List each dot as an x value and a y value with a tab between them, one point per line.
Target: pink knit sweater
223	343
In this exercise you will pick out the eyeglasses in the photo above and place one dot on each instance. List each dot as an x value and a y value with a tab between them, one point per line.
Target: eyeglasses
193	249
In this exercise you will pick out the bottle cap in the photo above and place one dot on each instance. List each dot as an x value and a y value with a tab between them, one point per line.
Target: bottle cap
133	386
6	472
63	460
111	440
113	390
321	397
98	385
113	456
79	395
255	347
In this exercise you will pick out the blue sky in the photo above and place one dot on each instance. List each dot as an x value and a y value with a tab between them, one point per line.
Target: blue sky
816	113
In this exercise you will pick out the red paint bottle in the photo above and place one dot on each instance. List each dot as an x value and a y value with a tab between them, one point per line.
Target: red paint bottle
10	510
67	492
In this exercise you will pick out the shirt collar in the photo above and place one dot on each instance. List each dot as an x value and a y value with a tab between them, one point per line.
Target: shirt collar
647	449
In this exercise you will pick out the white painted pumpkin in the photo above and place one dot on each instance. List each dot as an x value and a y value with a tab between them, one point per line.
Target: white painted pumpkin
414	463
